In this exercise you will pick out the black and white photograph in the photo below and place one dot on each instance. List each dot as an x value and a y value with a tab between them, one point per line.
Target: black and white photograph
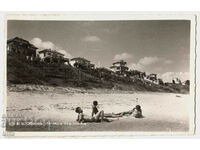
112	76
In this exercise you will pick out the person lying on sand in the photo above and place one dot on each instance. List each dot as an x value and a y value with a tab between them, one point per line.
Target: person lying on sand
82	118
95	112
136	112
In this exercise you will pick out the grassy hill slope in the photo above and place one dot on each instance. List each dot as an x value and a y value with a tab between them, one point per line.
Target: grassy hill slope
21	71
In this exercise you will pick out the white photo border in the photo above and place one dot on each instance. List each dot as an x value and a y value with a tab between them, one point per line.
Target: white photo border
106	17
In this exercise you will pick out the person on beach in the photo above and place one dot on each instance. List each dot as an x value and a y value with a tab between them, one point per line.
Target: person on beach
82	118
136	112
95	112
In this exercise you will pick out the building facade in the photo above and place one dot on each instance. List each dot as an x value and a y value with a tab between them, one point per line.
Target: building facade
52	56
80	62
152	77
21	47
119	67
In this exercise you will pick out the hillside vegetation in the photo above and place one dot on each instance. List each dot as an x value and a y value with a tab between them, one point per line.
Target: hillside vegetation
21	71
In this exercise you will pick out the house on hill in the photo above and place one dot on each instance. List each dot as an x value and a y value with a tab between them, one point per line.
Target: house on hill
187	82
21	48
176	81
103	71
52	56
135	74
120	67
152	77
83	63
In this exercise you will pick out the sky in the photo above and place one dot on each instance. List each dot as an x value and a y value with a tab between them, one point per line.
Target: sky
153	46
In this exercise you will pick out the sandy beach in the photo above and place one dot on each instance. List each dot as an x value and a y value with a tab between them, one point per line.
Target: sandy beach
162	111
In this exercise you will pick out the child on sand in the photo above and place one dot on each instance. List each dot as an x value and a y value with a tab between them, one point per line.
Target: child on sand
137	111
94	108
85	118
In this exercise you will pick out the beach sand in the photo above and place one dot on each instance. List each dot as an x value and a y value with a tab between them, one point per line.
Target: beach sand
162	111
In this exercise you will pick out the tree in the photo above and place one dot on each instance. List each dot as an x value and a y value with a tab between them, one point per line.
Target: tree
173	81
187	82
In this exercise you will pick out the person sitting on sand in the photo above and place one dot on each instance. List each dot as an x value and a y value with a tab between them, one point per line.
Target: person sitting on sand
137	111
94	108
82	118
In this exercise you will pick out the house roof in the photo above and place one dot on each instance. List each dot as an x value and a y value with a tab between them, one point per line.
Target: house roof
31	45
104	69
80	58
119	67
153	74
66	59
119	62
92	65
51	51
17	39
113	67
